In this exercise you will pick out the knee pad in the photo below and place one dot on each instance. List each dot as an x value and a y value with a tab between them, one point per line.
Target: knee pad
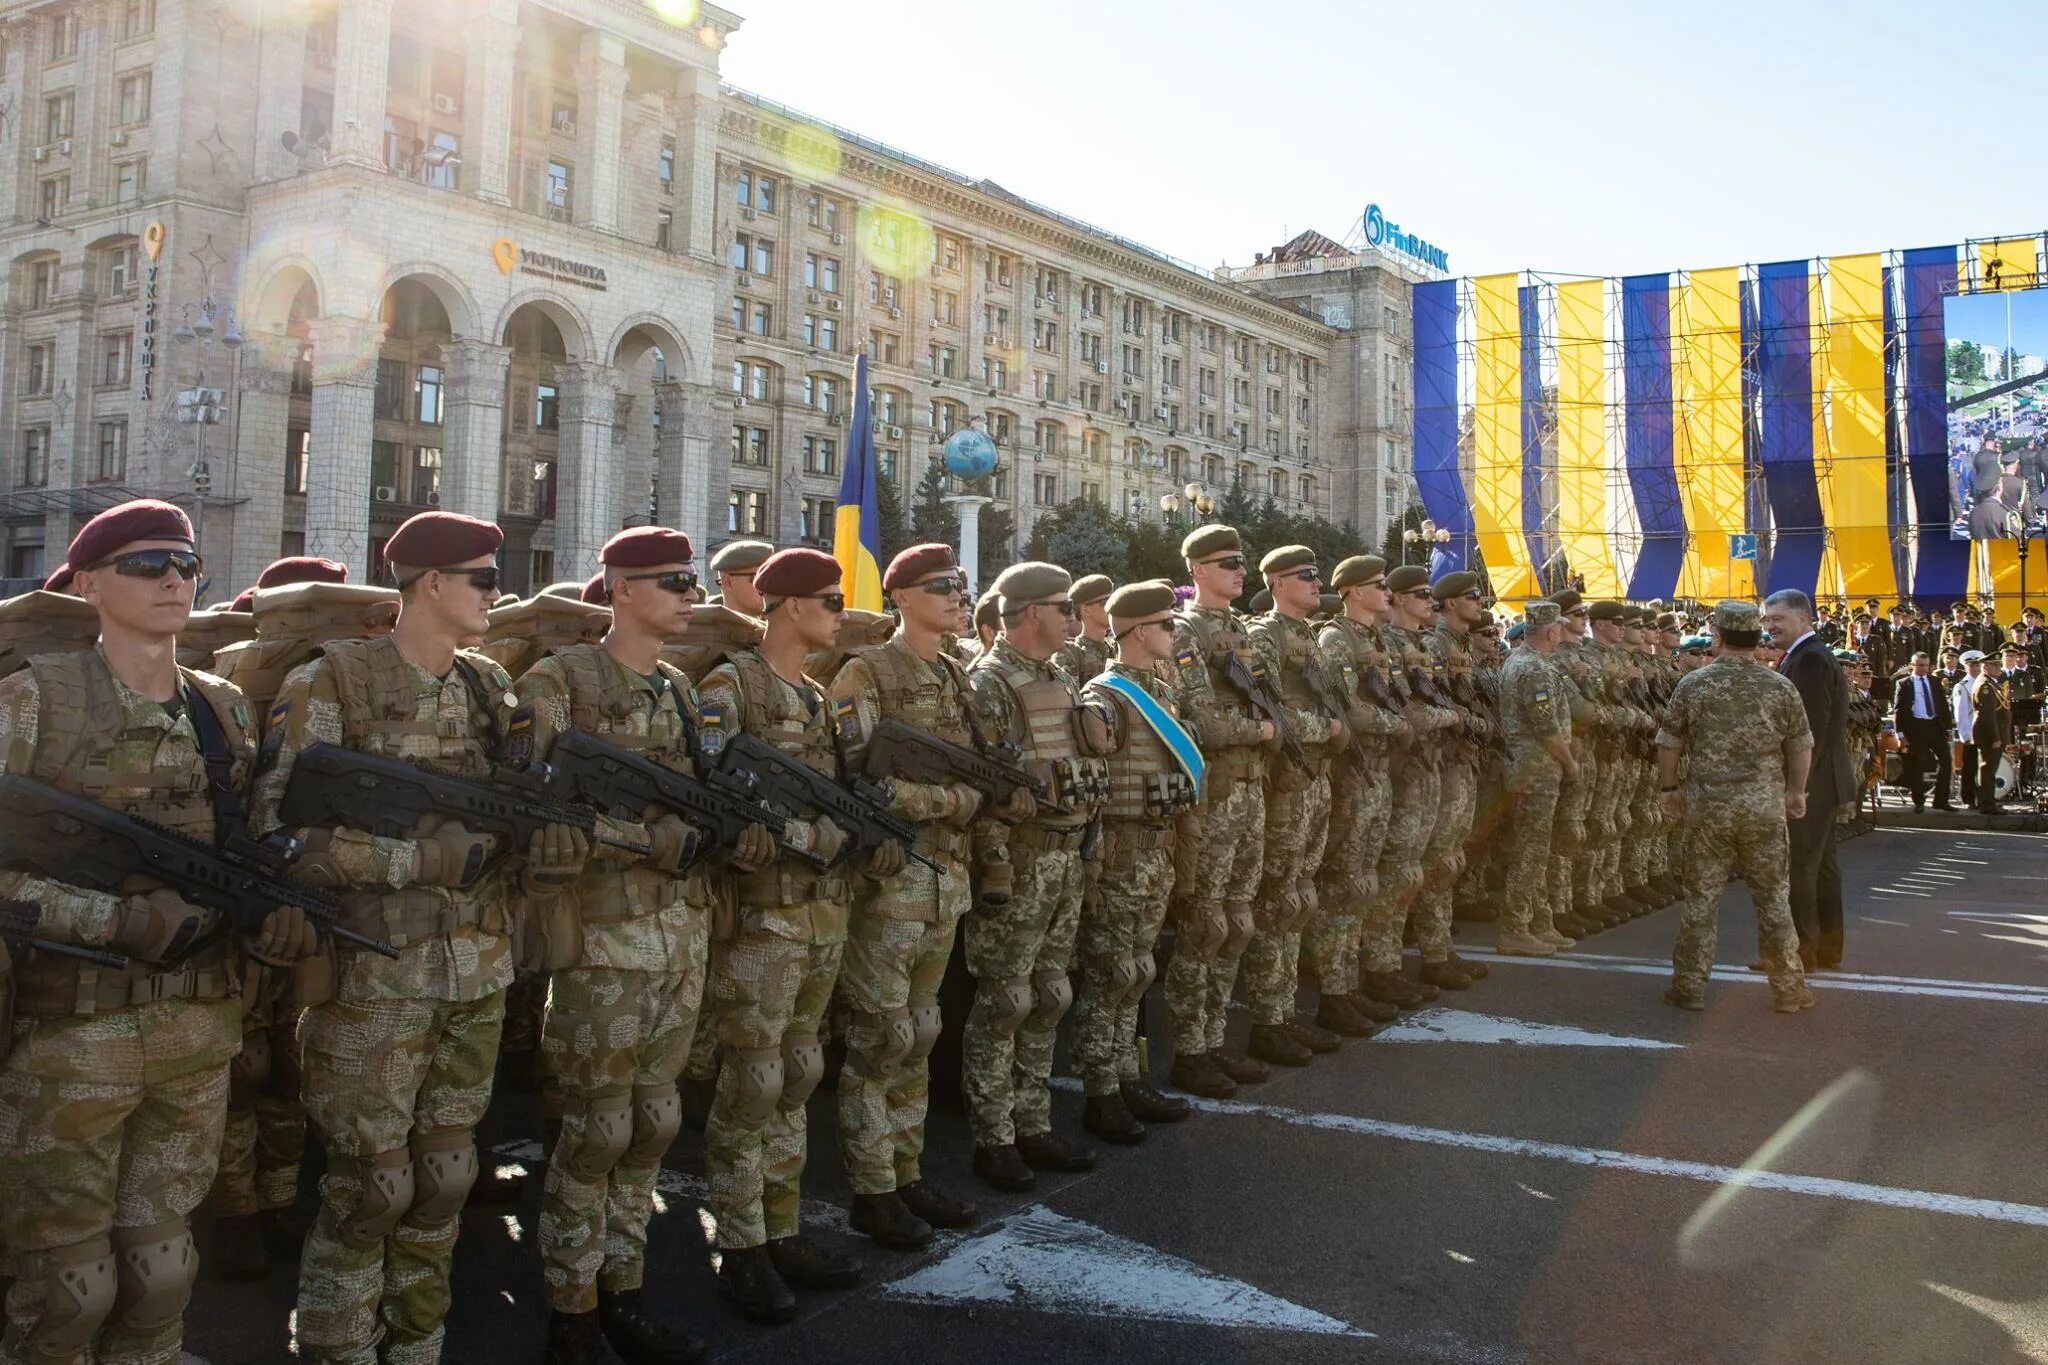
1123	974
79	1288
895	1035
387	1192
803	1066
757	1078
155	1268
250	1070
1051	993
607	1129
444	1161
1008	1003
1144	971
1243	926
657	1118
925	1024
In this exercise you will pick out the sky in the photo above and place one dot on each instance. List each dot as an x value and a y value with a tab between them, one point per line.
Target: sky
1983	318
1590	138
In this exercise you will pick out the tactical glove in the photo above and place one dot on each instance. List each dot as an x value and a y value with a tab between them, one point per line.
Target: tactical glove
828	841
450	855
753	850
554	858
159	926
962	805
674	842
886	860
996	884
286	937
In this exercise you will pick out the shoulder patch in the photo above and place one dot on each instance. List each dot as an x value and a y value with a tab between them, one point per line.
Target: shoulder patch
1186	656
714	717
519	738
279	711
847	713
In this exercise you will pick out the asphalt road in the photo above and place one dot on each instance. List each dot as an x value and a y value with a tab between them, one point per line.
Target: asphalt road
1860	1183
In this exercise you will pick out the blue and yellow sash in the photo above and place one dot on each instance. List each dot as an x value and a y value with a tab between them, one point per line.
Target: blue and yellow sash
1171	732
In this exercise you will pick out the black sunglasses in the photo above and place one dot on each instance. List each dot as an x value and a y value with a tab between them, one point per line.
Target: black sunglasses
1308	575
681	582
1229	563
1415	592
944	587
1069	609
153	563
834	601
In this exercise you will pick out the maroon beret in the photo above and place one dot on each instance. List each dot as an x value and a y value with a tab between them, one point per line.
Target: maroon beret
59	579
917	561
797	573
593	591
142	519
302	569
245	600
643	547
434	540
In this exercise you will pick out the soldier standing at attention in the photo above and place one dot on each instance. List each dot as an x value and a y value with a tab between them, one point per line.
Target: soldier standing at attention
1536	713
1020	940
1155	772
1089	652
772	973
733	567
903	928
398	1064
113	1096
627	965
1742	730
1457	594
1297	812
1221	844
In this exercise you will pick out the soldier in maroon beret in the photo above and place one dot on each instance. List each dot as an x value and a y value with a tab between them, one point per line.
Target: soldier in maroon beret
919	561
59	580
594	591
302	569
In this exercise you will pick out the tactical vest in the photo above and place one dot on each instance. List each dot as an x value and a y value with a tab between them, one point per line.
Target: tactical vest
521	634
940	703
1303	684
206	633
44	623
1146	783
1371	682
716	634
1084	657
770	710
1048	735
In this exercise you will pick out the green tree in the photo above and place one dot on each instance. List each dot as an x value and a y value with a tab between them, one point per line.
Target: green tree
1965	362
1392	546
895	526
1082	537
931	517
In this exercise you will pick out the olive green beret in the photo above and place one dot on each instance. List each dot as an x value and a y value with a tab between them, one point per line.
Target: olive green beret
1285	558
1454	584
1210	540
1670	620
1541	613
988	611
1732	615
1607	611
1262	602
738	556
1136	601
1030	581
1407	576
1330	604
1356	570
1486	621
1093	588
1567	600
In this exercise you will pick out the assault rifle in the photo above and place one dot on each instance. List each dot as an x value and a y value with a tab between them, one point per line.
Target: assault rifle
71	839
752	766
900	750
18	921
331	785
1253	685
620	783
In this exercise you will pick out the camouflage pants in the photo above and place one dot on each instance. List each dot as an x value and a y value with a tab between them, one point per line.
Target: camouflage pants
768	994
1585	848
1445	858
526	1003
1723	836
1418	787
1117	934
890	983
1348	879
1526	906
265	1136
382	1075
1606	827
610	1036
1230	860
1648	823
1297	829
1025	946
108	1122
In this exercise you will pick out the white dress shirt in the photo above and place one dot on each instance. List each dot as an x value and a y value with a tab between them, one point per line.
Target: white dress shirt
1923	697
1965	703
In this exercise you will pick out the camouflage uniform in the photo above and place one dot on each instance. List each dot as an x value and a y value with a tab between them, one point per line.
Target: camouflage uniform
1019	953
1361	798
1737	721
1418	790
1457	805
1607	820
398	1064
620	1019
1534	708
110	1110
1084	656
902	932
1223	839
1147	791
772	979
1570	837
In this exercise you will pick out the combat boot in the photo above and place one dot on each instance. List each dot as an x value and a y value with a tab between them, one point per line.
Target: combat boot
1556	937
239	1252
1685	998
1271	1043
885	1220
1593	914
936	1207
1446	977
805	1264
1392	988
1199	1074
1110	1119
750	1282
1310	1036
1619	908
1476	970
1371	1010
1334	1012
1570	925
1515	943
578	1339
1148	1105
639	1337
1645	896
1001	1167
1245	1070
1048	1151
1793	999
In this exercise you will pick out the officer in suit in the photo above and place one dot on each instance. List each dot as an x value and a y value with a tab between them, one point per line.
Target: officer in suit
1922	715
1824	689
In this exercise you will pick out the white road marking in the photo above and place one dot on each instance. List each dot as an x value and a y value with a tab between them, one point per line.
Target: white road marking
1895	891
1038	1260
2025	1321
1894	923
1462	1026
2016	877
1836	981
1973	862
814	1212
1602	1158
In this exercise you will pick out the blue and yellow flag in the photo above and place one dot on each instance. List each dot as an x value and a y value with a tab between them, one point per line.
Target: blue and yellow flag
857	525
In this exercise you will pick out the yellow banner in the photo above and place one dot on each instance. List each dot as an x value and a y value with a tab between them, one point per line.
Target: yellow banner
1582	463
2014	263
1707	431
1497	436
1852	462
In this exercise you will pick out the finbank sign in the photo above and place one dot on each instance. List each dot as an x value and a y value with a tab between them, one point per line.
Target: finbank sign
1381	234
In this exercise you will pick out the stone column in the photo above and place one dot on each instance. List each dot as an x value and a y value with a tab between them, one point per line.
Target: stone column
633	442
473	436
696	205
338	467
585	470
280	81
361	84
600	121
703	481
670	502
263	407
488	80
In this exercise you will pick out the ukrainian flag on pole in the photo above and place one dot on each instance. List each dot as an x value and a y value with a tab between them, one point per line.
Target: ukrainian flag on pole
857	525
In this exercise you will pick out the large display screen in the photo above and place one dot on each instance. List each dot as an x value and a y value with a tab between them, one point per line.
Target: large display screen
1997	414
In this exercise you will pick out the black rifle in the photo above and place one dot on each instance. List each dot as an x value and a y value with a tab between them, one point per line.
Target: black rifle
903	751
751	765
18	921
72	839
1253	686
622	784
331	786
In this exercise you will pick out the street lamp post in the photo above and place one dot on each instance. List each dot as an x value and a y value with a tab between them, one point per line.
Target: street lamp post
200	406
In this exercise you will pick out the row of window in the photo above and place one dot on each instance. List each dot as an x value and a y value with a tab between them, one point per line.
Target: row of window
132	19
116	364
132	101
111	464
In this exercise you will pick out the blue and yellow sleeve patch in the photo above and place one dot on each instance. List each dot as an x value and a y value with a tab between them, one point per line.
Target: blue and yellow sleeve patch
715	717
1186	657
846	714
519	738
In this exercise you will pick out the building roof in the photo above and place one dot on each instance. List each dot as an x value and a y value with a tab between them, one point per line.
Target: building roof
1306	246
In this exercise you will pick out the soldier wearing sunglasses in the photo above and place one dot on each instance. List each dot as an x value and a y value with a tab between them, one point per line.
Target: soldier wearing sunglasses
1089	652
115	1092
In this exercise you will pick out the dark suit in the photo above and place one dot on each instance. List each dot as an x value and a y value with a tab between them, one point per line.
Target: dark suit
1925	739
1992	733
1816	877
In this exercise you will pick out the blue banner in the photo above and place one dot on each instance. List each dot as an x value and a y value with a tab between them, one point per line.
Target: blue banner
1941	567
1646	396
1784	344
1541	548
1435	306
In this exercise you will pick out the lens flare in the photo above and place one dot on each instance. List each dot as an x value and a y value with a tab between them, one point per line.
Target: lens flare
896	241
681	13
